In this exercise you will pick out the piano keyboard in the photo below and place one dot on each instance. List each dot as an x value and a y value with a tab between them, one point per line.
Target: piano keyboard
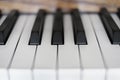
71	46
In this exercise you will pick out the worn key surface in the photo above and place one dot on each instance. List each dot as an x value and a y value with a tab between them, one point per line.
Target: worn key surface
110	26
37	30
58	33
7	26
79	33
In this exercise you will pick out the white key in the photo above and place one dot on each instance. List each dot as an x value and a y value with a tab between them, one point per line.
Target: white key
92	63
7	51
3	72
21	65
2	19
45	62
111	53
68	55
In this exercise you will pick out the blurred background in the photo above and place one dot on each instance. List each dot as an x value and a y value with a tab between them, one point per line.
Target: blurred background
51	5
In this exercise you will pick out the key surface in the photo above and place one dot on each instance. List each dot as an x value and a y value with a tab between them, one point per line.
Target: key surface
37	30
111	53
22	62
79	34
7	26
7	51
110	26
92	61
68	55
45	61
58	34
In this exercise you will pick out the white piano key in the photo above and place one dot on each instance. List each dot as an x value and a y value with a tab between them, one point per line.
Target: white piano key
7	51
45	62
92	62
2	19
115	72
111	53
20	68
68	55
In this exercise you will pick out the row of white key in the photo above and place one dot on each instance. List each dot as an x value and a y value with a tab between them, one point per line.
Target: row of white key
110	53
97	60
7	51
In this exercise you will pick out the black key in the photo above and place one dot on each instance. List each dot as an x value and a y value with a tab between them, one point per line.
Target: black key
58	33
110	26
36	34
0	13
118	13
79	33
7	26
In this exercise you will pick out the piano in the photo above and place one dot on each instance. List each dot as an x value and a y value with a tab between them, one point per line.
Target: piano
59	45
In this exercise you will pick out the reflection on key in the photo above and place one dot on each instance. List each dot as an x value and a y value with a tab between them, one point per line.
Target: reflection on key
58	34
7	26
79	34
37	30
110	26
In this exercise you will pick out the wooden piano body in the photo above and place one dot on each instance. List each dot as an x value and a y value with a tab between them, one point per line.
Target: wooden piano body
83	5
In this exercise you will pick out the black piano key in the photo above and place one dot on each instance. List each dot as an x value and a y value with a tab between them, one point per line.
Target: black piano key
36	34
110	26
78	29
7	26
118	13
0	13
58	33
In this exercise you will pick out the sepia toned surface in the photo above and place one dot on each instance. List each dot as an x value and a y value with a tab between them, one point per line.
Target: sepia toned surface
51	5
